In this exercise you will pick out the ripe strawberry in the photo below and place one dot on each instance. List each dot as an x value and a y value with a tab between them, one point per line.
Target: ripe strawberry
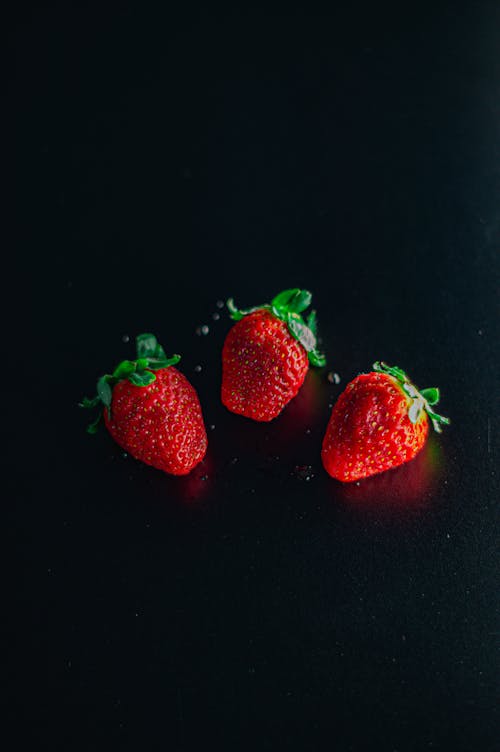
379	422
151	410
266	355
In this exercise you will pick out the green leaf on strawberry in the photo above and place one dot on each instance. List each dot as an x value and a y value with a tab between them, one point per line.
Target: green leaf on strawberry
149	347
430	395
142	378
89	403
282	299
124	369
237	314
301	331
294	300
104	391
312	322
317	359
93	427
300	301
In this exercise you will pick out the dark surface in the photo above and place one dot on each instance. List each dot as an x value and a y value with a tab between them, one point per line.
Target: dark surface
165	163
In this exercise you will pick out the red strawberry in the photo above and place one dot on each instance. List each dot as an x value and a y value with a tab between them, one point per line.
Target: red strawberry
266	355
151	410
379	422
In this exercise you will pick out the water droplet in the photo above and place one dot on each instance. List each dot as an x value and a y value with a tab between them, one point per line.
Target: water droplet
333	378
197	369
204	477
216	316
125	338
212	427
220	304
204	329
303	472
480	331
234	461
308	430
124	455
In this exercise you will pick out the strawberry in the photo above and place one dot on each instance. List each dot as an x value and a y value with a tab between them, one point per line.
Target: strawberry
379	421
151	410
267	353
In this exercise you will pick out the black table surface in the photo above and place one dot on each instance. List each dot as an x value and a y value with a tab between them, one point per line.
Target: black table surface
164	163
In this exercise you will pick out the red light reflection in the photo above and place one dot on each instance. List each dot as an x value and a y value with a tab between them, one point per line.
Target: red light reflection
305	408
409	486
195	486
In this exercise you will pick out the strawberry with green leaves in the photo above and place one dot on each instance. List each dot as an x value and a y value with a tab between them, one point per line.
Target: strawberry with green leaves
267	353
151	410
380	421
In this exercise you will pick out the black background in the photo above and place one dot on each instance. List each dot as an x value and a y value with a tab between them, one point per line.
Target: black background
166	161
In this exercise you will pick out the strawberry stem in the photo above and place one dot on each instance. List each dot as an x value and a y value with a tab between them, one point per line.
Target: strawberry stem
150	357
420	400
288	306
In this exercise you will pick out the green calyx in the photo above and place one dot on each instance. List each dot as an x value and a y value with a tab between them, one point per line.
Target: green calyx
140	372
288	306
421	400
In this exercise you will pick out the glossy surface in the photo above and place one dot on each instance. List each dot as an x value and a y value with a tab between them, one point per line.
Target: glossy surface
164	164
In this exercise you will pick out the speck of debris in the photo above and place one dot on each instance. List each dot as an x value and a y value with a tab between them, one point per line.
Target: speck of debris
303	472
